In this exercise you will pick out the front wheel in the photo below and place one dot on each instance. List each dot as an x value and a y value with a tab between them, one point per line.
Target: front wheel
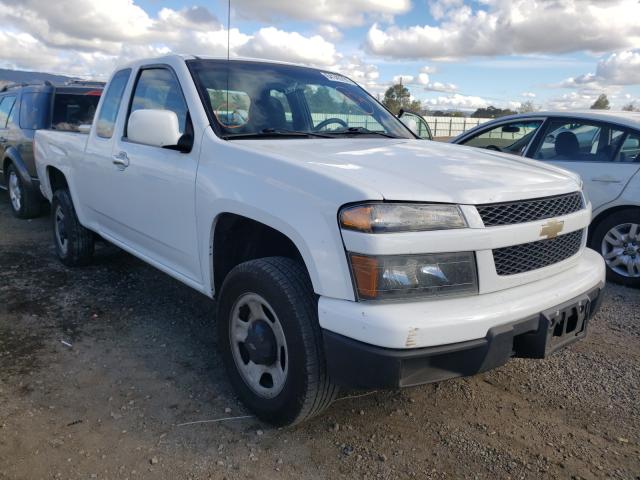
271	341
74	243
617	239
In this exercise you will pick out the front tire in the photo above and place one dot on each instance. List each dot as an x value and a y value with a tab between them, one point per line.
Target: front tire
74	243
25	203
617	239
271	343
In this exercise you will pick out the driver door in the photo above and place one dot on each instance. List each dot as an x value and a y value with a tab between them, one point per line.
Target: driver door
511	137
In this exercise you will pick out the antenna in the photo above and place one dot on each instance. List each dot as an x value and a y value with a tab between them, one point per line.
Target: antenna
228	51
228	29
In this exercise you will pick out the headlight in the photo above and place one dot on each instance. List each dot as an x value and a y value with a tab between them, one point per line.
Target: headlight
401	217
408	276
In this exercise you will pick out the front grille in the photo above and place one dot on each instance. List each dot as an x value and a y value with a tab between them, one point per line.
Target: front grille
531	256
530	210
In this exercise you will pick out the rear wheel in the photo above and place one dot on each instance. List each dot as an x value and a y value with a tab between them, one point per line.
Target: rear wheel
271	341
24	202
617	238
74	243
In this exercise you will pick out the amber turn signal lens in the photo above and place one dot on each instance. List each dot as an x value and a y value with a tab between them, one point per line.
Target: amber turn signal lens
358	218
365	272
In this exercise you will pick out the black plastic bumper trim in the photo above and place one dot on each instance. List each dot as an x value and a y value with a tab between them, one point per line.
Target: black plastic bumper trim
356	364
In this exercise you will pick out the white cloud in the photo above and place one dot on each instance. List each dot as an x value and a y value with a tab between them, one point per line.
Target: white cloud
572	101
618	69
338	12
455	102
404	79
275	44
528	95
89	37
503	27
441	87
330	32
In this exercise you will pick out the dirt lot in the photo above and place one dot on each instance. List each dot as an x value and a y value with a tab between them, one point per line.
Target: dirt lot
143	361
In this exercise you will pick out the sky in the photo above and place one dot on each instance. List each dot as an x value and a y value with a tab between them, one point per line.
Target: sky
451	54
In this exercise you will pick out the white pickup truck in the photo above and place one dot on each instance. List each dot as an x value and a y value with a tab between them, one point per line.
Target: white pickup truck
342	250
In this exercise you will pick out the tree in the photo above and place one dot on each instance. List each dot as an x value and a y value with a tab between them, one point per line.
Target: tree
602	103
492	112
527	107
630	107
397	97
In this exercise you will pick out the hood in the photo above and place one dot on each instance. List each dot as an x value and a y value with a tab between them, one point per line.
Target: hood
419	170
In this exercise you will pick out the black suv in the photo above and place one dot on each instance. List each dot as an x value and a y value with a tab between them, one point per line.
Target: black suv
25	108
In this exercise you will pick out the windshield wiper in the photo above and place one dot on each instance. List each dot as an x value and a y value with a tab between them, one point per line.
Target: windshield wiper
362	131
275	132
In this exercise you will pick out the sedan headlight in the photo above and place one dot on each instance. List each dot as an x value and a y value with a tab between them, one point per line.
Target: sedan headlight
401	217
409	276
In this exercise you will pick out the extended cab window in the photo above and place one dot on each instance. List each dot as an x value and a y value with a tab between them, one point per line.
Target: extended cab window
106	120
158	89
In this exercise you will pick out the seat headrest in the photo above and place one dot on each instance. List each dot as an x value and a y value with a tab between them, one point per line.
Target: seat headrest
567	144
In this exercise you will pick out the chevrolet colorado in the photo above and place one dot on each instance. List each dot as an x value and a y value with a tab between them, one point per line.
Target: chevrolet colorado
342	250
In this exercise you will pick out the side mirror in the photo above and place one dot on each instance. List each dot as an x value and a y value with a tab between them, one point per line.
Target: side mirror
158	128
84	128
411	124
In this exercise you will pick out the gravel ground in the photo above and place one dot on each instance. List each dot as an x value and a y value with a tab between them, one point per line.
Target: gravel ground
139	361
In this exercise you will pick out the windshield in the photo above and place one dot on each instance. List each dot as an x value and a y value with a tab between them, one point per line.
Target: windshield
247	99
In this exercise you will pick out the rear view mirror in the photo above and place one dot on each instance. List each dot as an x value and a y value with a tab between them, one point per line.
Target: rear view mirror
157	128
510	129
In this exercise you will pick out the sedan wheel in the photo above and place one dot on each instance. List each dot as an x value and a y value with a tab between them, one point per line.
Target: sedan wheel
621	249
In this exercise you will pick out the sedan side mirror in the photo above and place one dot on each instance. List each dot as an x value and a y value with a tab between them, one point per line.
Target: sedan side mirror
157	128
416	124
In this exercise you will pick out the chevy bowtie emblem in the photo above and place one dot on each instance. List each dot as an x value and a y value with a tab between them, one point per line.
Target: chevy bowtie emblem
551	229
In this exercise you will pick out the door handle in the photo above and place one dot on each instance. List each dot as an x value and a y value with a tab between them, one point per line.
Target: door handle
606	179
121	160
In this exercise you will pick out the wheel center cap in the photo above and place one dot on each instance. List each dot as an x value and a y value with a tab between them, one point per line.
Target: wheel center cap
261	343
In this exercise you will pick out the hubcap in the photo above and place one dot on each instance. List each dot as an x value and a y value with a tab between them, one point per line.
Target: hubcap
258	345
15	194
621	249
60	230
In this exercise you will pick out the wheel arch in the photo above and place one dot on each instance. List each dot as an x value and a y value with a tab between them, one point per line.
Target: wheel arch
600	216
257	240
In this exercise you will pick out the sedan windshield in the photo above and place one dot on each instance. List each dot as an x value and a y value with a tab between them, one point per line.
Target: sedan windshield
263	100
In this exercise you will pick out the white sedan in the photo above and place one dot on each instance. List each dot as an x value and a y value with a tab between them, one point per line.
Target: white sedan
604	148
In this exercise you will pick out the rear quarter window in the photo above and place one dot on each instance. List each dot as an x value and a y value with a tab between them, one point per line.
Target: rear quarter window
34	110
70	110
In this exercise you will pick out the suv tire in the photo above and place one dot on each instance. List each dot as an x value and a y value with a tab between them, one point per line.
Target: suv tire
278	369
25	203
617	239
74	243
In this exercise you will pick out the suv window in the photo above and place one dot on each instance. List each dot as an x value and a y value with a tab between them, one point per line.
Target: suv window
106	120
34	110
158	89
579	141
70	110
5	109
507	137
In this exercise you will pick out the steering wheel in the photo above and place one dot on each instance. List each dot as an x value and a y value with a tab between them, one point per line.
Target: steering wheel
493	147
329	121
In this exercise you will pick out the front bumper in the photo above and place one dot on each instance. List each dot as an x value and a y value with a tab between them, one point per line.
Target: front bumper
359	365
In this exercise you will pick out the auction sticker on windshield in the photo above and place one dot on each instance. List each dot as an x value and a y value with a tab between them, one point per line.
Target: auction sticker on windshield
334	77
